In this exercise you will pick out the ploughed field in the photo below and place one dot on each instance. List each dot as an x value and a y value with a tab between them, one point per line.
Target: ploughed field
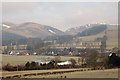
12	73
63	73
109	73
16	60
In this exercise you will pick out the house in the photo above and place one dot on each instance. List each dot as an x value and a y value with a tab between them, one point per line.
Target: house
25	54
65	63
13	53
43	61
34	53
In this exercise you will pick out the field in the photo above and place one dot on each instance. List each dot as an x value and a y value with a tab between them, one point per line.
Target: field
11	73
108	73
15	60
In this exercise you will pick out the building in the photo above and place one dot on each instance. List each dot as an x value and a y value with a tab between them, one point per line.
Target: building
83	44
14	48
80	45
25	54
64	63
43	61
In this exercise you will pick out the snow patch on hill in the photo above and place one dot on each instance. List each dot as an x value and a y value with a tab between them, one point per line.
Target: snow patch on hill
4	25
52	31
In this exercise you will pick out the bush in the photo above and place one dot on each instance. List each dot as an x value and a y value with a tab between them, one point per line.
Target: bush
27	65
8	67
114	60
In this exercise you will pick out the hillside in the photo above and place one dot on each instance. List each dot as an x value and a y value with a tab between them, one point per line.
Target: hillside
10	36
59	39
31	30
38	31
92	31
112	36
79	29
74	31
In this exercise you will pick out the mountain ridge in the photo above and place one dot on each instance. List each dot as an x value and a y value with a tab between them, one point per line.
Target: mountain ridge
32	30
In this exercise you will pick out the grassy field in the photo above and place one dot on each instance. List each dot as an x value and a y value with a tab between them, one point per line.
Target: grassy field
15	60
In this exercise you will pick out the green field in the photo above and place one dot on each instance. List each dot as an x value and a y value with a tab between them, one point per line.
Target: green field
15	60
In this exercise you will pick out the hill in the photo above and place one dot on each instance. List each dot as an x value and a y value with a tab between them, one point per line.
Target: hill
10	36
111	33
92	31
30	30
37	31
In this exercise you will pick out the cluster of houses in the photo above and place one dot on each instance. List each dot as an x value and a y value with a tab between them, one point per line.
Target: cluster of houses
18	53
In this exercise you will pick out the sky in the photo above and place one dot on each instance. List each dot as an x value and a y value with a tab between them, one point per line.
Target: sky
60	15
59	0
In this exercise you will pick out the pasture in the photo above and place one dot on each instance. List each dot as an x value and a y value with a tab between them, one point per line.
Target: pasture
16	60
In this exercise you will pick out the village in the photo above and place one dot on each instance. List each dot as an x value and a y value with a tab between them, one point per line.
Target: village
65	40
75	54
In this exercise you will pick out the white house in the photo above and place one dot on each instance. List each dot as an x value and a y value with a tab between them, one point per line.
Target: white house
65	63
43	61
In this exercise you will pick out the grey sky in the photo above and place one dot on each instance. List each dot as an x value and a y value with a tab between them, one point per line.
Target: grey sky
60	15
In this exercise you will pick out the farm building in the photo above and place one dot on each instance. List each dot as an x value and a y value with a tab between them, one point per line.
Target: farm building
25	54
43	61
64	63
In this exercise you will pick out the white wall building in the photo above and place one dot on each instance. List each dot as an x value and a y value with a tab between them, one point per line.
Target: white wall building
65	63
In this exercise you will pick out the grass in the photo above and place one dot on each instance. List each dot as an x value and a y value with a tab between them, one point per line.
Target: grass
15	60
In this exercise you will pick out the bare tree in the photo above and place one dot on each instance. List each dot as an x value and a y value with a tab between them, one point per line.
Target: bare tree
57	58
92	58
73	62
